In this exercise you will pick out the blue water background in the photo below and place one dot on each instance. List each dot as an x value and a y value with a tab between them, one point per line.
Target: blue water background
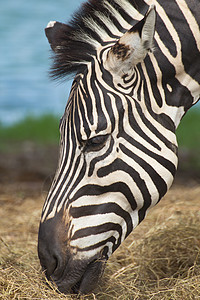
25	88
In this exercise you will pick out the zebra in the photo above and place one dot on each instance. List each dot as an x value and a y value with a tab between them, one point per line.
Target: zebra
136	69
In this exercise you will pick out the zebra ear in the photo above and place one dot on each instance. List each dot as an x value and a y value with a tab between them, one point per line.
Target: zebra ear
133	46
54	33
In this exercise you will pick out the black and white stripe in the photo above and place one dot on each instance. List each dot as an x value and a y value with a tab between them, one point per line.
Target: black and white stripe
118	149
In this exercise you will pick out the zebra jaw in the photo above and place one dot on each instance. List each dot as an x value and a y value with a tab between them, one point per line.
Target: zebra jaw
133	46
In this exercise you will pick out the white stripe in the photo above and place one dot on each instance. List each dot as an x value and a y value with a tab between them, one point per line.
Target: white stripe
91	240
111	178
160	169
90	22
129	9
90	253
109	124
77	173
80	99
81	35
194	27
165	151
117	198
109	24
95	220
93	100
174	113
117	15
55	188
185	79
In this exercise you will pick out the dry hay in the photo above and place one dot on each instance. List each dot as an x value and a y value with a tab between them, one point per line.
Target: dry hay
162	263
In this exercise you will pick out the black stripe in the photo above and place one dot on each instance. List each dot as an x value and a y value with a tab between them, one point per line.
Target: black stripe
102	121
112	36
156	178
154	80
164	33
67	181
129	80
77	120
125	15
59	184
118	164
93	230
84	232
160	159
152	128
80	101
111	239
95	160
140	5
133	123
87	99
120	187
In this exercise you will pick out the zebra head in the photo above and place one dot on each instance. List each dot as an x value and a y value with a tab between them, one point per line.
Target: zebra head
112	166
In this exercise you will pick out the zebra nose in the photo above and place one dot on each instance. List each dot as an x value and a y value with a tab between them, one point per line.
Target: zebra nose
51	262
69	273
50	252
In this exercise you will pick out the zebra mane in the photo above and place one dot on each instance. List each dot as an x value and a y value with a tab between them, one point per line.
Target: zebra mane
95	24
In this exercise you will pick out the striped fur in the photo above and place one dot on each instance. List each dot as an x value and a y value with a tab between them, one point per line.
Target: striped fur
118	149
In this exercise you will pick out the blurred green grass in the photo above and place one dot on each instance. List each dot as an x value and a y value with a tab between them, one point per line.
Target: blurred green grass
188	136
188	132
42	130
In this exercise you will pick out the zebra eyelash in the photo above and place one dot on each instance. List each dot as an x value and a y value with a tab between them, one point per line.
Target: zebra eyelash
95	143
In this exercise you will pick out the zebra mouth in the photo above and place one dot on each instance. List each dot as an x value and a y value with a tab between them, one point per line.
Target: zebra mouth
90	278
80	277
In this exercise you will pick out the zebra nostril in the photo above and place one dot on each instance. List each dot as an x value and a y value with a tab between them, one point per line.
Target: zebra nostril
59	266
51	260
52	265
52	250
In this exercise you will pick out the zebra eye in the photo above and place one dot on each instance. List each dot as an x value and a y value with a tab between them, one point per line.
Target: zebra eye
96	143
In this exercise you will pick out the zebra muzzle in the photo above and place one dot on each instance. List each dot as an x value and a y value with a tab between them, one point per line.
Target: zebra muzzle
61	265
80	277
